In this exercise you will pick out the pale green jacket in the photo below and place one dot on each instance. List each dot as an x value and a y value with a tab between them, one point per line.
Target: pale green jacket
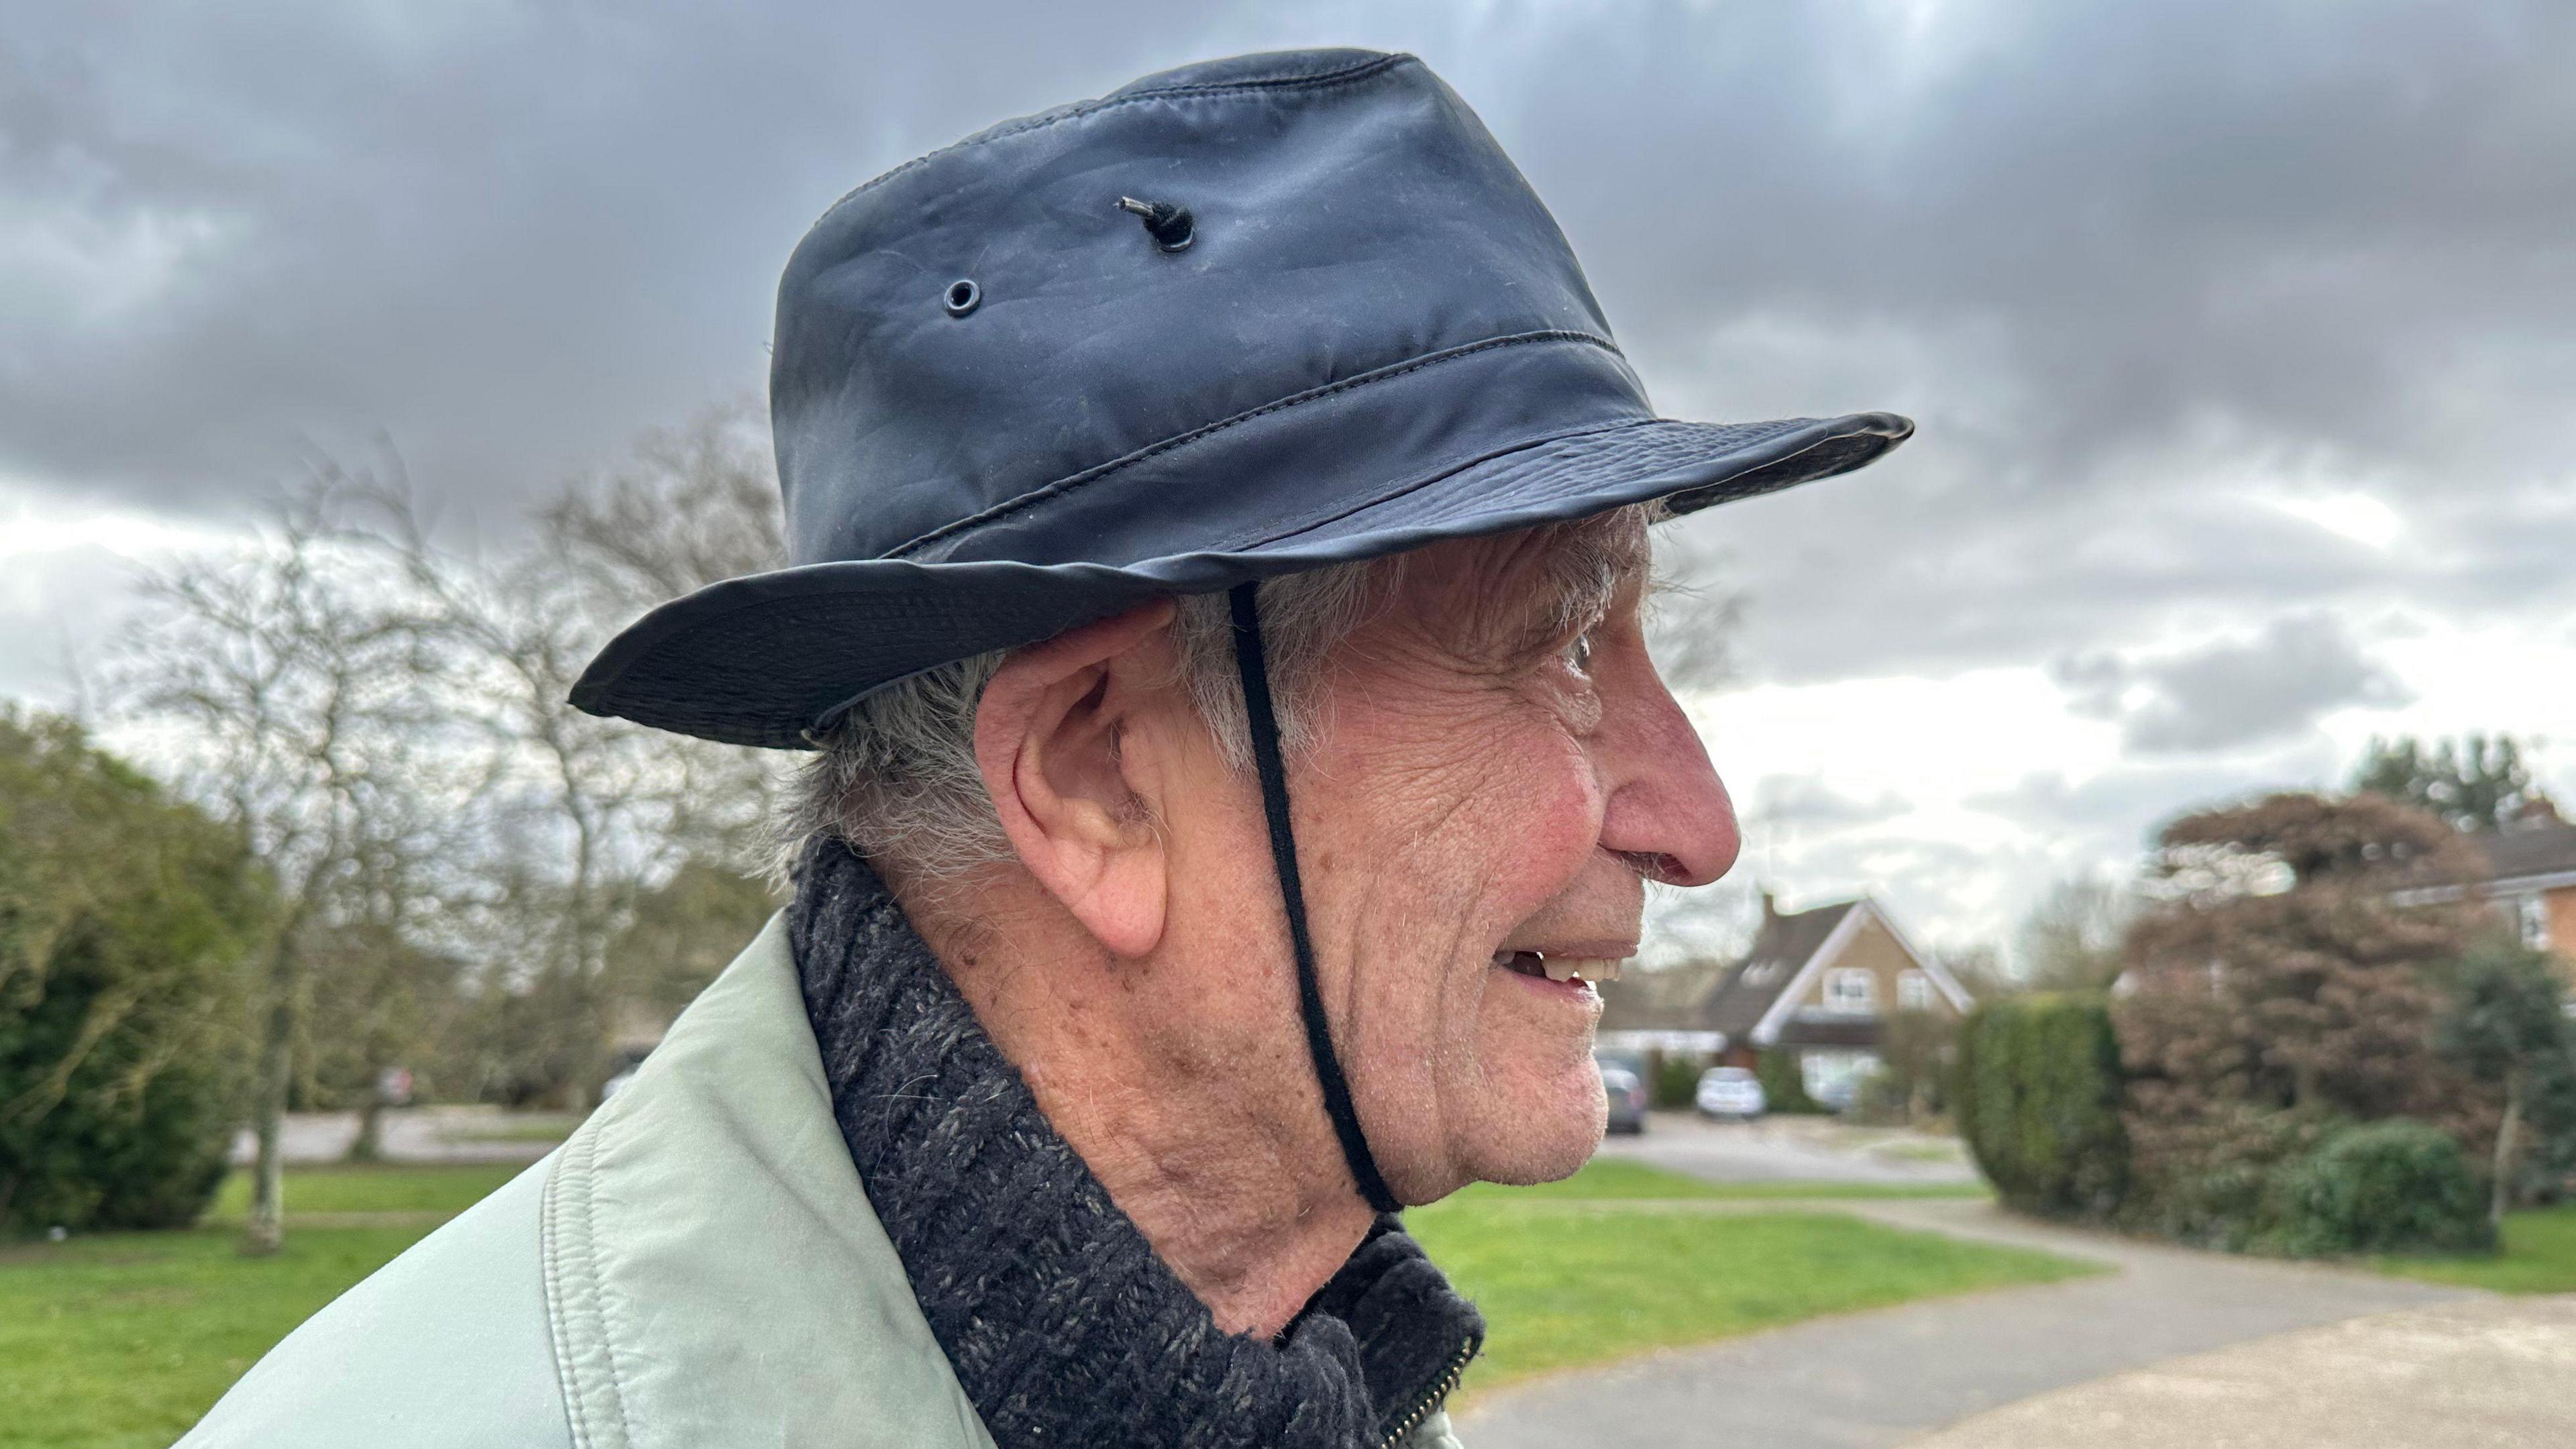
698	1265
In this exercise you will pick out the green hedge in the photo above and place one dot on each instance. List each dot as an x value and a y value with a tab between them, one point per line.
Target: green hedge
1784	1087
2036	1092
2396	1186
1675	1082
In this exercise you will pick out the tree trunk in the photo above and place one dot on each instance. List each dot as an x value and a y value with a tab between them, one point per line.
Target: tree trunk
369	1145
2506	1132
265	1233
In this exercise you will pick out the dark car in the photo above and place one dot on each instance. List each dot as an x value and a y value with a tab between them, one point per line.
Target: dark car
1627	1094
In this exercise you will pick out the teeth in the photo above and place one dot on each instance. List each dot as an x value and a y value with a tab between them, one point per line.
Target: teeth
1561	968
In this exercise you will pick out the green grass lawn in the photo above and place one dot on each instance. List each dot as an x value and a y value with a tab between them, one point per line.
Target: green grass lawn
1567	1278
2539	1256
124	1339
1617	1177
383	1189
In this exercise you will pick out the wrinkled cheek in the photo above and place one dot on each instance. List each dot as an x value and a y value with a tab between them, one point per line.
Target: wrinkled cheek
1549	821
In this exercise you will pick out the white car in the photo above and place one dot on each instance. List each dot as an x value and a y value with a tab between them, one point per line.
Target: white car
1730	1092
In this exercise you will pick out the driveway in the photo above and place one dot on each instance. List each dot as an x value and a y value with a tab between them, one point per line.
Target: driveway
1884	1377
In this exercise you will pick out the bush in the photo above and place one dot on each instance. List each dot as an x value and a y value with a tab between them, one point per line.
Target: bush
2037	1098
1674	1083
2212	1177
2384	1187
122	921
1784	1087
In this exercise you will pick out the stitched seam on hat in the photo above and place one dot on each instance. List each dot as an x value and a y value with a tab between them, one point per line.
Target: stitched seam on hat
1778	430
1322	80
1064	486
1316	518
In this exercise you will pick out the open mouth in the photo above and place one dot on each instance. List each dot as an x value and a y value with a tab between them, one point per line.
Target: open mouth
1558	968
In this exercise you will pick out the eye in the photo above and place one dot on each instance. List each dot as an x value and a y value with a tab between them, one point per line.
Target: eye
1578	653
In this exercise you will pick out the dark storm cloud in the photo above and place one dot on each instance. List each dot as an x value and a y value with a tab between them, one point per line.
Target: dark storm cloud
2134	268
507	235
2231	693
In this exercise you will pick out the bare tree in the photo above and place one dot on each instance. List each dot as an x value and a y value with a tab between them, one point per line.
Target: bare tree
2071	940
590	816
293	679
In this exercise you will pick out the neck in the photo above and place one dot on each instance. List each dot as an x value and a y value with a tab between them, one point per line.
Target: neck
1237	1184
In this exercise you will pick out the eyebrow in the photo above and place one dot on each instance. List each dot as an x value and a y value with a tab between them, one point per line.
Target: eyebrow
1585	566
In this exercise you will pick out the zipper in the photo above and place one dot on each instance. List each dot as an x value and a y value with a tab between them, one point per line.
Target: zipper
1439	1390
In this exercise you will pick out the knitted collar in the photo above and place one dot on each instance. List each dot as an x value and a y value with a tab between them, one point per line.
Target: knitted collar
1062	1323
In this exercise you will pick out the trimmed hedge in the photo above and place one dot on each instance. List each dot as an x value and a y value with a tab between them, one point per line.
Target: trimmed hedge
2036	1091
2395	1186
1674	1080
1784	1087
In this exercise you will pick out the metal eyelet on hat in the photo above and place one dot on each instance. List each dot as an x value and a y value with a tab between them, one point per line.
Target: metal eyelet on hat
1172	227
961	296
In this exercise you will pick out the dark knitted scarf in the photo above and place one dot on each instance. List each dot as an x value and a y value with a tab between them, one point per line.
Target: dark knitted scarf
1064	1326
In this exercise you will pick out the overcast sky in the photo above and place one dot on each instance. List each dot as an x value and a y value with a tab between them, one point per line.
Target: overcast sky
2242	336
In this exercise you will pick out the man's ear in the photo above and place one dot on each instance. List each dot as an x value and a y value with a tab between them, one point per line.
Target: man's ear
1048	737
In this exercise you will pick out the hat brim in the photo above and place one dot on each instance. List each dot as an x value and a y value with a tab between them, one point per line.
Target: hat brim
765	659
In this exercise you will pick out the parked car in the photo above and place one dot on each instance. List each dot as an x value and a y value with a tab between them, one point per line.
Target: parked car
1627	1092
1730	1092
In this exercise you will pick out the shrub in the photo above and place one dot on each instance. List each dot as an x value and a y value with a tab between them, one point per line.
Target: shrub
2037	1097
2384	1187
1674	1084
1784	1088
2211	1175
122	920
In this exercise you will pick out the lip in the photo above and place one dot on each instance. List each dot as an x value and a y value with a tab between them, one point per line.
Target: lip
1598	948
1575	991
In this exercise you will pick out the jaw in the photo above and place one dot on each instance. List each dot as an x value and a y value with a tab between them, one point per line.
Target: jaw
1517	1093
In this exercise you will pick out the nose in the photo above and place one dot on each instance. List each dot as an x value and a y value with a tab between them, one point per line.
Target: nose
1665	808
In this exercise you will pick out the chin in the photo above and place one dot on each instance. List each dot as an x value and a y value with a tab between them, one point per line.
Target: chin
1543	1143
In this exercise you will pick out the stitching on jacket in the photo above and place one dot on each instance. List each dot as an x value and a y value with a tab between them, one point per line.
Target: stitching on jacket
1067	485
1321	80
549	1240
599	1294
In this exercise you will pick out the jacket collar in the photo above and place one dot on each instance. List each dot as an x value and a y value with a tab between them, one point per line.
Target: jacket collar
713	1271
1063	1323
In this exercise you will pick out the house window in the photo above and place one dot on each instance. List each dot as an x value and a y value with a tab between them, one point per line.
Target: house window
2531	913
1850	988
1914	991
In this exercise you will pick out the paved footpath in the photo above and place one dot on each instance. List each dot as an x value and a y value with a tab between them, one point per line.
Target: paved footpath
1890	1375
2485	1372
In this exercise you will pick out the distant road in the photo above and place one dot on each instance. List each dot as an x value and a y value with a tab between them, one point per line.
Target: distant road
1793	1149
423	1134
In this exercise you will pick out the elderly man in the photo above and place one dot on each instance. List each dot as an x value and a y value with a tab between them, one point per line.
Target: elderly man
1221	520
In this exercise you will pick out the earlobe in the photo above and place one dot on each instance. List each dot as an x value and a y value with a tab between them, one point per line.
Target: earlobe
1052	735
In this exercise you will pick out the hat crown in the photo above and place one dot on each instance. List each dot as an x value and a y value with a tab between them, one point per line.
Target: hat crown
1348	215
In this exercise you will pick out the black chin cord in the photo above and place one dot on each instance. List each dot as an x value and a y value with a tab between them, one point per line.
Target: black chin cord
1250	662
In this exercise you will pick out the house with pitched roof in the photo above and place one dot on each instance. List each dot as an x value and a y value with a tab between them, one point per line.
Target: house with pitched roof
2531	877
1819	985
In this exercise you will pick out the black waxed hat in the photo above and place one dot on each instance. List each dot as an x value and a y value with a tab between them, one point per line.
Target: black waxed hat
1236	320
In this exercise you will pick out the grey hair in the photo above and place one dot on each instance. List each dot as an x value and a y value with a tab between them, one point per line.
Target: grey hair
896	775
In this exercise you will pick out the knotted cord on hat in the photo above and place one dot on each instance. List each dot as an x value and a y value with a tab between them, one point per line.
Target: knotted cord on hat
1254	667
